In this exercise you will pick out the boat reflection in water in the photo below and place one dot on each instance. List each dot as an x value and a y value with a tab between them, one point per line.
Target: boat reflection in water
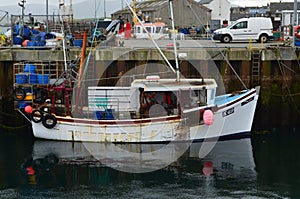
97	160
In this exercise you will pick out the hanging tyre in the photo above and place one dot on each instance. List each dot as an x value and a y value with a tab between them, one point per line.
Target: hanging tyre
19	94
36	116
49	121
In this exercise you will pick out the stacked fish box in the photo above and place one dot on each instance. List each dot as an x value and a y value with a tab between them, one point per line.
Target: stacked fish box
21	78
30	70
29	76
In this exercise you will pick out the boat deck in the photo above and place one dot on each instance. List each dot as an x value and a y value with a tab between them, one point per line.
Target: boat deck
225	99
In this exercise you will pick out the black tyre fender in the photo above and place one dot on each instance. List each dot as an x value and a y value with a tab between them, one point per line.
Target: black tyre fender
19	94
49	121
36	116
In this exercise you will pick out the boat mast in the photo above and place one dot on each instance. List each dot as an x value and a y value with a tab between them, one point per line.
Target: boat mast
174	39
135	21
47	16
63	36
22	5
78	100
71	12
104	11
295	18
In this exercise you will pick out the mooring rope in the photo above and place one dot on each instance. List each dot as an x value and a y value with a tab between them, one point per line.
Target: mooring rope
288	90
221	52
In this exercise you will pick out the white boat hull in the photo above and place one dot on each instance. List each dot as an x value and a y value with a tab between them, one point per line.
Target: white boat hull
230	118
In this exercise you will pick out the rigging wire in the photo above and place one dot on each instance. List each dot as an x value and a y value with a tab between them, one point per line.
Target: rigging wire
283	64
285	79
97	7
287	87
289	68
148	54
294	48
150	36
221	52
174	39
290	95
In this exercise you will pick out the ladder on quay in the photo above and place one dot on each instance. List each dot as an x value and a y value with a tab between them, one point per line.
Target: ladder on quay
256	62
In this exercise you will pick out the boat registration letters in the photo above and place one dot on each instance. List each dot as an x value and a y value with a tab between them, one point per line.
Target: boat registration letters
228	112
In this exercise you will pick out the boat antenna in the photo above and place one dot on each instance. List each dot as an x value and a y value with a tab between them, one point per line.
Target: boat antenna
221	52
63	37
149	35
22	5
174	39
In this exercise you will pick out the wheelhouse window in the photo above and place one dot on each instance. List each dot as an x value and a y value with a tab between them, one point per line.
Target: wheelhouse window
138	29
157	30
148	30
193	98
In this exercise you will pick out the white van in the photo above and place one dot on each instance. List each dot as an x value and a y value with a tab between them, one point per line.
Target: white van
255	28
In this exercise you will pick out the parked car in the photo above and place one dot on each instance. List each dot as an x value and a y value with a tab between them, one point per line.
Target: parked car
255	28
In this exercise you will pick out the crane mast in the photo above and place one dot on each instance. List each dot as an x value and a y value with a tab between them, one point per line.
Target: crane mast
71	11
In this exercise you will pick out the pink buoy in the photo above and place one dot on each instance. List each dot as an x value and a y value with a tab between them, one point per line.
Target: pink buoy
28	109
208	117
208	168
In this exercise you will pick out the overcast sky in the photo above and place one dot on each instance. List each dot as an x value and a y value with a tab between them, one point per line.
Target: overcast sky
50	2
54	2
86	11
256	2
113	8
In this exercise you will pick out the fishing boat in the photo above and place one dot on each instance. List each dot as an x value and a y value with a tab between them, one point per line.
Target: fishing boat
150	108
227	115
157	30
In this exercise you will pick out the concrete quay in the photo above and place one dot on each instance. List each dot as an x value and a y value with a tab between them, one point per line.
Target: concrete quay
133	50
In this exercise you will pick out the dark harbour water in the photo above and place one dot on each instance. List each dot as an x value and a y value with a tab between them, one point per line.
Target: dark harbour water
262	166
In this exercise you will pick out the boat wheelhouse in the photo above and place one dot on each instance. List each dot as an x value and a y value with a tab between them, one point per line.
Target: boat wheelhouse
157	30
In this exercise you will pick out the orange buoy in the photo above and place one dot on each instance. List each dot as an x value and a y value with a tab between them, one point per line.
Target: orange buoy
208	117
